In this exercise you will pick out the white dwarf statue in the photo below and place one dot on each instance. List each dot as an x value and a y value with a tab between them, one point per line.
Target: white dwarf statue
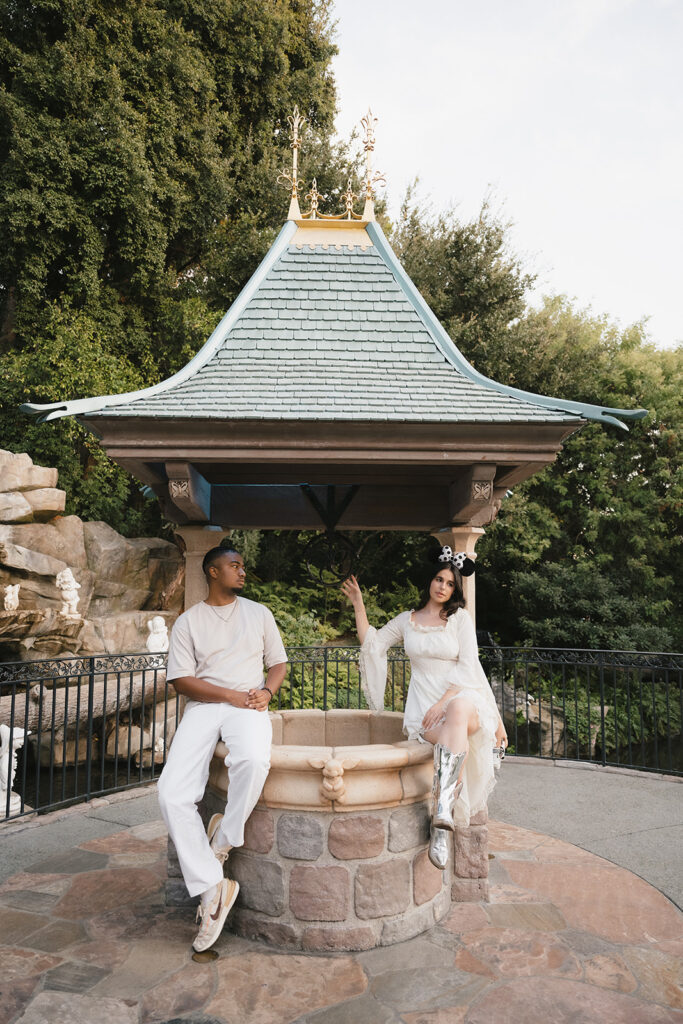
69	588
10	741
12	597
157	641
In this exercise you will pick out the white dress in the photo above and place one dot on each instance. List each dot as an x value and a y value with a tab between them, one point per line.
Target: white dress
440	657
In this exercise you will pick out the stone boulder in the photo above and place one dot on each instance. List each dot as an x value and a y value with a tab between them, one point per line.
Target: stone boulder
30	635
128	573
122	581
19	474
123	632
62	539
14	508
29	493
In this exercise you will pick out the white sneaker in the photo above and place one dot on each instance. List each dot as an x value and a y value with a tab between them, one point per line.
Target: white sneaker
214	914
219	852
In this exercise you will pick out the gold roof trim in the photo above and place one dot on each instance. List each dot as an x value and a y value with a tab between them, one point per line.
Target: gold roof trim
292	182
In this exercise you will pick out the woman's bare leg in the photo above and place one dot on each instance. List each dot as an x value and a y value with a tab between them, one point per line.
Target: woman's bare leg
461	721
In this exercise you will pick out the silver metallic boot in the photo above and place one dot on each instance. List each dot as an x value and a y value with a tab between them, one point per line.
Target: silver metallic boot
447	767
439	842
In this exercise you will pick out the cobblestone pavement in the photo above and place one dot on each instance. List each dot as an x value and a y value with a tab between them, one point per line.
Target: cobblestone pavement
566	937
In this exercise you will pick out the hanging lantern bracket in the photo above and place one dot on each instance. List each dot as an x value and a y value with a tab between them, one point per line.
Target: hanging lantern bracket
331	512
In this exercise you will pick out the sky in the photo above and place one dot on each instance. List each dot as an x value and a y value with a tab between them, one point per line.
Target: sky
568	112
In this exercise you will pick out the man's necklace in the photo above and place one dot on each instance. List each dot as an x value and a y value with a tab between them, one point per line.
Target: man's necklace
223	618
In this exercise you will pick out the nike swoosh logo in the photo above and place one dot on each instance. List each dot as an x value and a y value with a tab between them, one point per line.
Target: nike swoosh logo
214	917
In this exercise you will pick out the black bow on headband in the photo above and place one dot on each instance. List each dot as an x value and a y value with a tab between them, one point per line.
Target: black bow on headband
459	560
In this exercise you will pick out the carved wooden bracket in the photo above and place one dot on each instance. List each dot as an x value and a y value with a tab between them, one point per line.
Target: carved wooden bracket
472	495
189	491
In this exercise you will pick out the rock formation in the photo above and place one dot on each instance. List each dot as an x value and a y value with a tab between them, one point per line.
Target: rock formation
120	581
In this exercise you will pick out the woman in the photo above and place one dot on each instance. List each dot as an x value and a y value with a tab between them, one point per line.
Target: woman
449	702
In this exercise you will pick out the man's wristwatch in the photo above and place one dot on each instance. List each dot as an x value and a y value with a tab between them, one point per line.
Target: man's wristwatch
269	691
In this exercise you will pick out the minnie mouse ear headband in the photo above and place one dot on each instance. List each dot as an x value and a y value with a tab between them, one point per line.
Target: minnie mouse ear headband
458	560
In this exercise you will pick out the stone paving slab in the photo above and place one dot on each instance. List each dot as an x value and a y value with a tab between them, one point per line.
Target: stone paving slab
634	819
566	937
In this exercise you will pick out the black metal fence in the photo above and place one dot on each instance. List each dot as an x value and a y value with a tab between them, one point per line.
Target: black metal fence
85	727
617	708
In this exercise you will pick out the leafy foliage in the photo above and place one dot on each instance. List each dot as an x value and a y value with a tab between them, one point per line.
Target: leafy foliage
139	147
588	553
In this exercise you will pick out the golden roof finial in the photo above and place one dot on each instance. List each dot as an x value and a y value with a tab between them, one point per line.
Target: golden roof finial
369	122
349	198
314	198
291	181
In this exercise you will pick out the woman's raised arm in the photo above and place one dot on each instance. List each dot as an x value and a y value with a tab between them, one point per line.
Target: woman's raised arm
352	591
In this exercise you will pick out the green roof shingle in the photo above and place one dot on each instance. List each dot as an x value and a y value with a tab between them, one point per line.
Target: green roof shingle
331	335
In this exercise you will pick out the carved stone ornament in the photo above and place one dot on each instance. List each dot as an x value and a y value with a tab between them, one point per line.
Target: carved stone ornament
482	490
69	587
332	787
157	641
179	488
10	741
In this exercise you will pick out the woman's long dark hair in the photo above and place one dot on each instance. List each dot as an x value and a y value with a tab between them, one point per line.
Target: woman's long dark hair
457	598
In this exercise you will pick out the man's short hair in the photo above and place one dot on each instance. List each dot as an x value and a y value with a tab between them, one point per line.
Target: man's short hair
212	556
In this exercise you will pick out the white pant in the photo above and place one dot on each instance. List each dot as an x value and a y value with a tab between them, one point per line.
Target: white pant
248	735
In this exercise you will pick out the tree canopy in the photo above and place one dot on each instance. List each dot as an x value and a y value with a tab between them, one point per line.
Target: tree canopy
139	150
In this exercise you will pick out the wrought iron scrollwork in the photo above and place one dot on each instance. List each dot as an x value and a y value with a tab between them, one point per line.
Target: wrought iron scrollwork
330	558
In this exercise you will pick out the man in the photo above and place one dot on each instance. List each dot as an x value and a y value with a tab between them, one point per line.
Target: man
216	656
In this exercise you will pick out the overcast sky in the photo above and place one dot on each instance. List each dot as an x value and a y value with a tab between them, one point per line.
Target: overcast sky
571	111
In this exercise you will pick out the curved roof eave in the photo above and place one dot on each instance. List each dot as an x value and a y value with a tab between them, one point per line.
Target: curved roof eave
82	406
602	414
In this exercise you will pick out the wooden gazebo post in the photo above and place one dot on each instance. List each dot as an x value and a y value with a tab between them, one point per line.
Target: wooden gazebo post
196	541
464	538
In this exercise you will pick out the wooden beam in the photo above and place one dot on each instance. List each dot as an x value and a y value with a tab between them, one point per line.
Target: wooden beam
286	507
213	435
189	491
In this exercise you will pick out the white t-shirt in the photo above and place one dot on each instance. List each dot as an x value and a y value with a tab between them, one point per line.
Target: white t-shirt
226	646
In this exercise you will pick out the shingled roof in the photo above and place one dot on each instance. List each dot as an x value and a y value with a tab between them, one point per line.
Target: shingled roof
331	328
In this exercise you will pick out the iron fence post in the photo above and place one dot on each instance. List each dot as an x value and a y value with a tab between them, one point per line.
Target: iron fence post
601	677
88	742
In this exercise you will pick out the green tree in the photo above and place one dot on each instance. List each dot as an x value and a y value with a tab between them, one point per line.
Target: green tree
609	509
138	143
468	275
589	552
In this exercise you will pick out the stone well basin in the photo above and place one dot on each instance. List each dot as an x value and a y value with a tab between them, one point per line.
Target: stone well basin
339	761
335	853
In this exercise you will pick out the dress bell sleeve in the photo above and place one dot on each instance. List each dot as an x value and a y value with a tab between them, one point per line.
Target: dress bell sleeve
372	660
469	673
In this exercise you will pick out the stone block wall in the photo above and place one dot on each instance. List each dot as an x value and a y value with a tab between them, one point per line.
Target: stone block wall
343	881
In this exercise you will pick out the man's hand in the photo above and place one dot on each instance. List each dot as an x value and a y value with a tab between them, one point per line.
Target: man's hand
258	700
239	698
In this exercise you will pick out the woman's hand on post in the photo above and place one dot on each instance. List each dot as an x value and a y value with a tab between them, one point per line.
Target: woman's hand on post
351	590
